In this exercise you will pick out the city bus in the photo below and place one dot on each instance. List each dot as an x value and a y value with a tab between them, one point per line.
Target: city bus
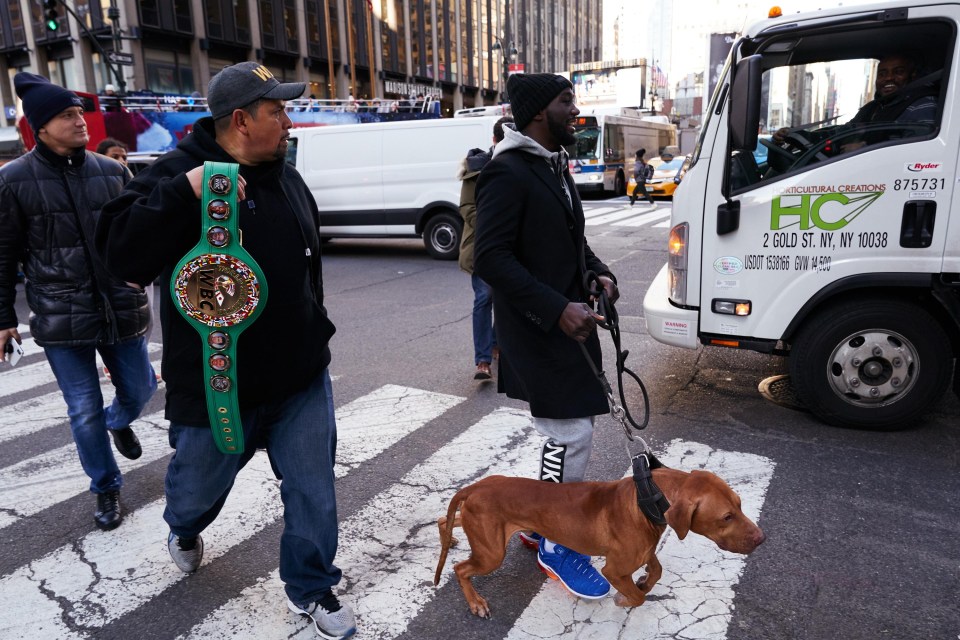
602	157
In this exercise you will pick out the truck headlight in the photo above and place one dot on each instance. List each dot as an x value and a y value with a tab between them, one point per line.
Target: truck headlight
677	263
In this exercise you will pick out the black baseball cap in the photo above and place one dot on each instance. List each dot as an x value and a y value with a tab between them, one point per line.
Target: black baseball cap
238	85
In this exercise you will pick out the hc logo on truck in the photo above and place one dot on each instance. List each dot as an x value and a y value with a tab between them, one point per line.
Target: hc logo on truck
827	212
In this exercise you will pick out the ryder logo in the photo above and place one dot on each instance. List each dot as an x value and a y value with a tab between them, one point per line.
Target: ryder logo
925	167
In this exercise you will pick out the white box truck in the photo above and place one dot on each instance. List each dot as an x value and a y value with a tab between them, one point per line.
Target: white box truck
816	219
391	179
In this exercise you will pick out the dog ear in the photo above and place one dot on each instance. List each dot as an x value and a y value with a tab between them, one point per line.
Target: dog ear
680	516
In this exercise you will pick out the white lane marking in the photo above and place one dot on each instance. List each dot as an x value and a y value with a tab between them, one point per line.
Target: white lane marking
639	222
32	415
376	421
106	575
662	225
389	549
38	483
694	598
629	212
593	212
20	378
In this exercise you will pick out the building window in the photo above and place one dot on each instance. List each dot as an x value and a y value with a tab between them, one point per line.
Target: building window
169	72
166	15
466	43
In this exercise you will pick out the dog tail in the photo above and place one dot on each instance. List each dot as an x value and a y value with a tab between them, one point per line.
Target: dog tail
446	535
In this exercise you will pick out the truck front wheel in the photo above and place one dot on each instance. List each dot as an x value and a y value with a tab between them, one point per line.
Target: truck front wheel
441	236
873	365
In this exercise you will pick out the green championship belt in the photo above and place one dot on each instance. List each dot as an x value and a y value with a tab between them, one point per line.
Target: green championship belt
220	290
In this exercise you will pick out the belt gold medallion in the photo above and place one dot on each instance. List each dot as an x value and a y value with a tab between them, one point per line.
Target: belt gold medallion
220	290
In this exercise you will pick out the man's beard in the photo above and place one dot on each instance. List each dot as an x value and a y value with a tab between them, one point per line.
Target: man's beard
558	129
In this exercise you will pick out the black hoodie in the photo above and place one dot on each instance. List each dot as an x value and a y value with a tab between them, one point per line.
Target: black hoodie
145	231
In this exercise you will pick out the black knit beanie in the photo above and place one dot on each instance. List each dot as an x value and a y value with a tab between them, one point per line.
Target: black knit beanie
530	93
42	99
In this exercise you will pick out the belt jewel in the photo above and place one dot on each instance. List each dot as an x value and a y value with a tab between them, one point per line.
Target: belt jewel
220	290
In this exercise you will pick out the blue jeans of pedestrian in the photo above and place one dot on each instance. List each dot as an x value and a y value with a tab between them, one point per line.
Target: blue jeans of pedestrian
299	433
483	338
79	378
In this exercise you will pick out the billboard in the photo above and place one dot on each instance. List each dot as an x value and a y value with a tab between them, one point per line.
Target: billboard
720	44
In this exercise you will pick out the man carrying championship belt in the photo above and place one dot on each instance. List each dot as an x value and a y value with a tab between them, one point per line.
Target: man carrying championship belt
279	364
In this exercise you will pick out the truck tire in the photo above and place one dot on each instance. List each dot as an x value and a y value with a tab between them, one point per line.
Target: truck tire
875	365
441	236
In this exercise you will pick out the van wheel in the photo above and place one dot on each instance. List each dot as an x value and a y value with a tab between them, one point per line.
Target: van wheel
619	185
442	235
871	364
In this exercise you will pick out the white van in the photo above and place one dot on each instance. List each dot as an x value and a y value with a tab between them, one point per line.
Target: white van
831	238
391	179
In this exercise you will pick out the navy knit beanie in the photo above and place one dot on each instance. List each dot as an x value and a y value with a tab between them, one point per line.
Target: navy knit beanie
42	99
530	93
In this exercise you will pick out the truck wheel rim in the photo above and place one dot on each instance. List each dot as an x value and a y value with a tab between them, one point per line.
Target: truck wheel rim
873	368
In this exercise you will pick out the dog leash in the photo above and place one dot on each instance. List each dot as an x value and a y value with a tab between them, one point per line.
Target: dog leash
650	499
611	322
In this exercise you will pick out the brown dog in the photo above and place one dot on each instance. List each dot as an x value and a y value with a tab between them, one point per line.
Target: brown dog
595	518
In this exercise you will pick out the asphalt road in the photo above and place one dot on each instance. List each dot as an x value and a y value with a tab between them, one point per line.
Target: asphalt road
861	527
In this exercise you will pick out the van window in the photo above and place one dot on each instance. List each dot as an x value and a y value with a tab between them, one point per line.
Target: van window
828	95
292	151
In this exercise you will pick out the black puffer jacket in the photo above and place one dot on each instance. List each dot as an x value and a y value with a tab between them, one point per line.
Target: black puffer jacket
49	206
156	220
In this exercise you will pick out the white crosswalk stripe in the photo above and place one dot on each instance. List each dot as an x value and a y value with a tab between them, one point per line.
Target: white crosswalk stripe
616	213
37	483
24	377
388	547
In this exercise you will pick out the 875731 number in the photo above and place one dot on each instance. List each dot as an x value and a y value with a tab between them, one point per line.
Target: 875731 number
919	184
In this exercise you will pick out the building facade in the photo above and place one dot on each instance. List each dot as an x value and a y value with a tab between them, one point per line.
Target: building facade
459	51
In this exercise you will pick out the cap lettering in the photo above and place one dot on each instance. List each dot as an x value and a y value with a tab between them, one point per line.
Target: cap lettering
263	73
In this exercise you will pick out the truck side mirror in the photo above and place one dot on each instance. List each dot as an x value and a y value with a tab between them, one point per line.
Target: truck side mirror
745	104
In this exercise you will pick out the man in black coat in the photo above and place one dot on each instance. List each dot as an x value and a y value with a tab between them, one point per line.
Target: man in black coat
530	247
50	200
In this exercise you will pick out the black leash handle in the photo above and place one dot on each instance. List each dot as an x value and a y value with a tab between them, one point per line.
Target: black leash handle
611	322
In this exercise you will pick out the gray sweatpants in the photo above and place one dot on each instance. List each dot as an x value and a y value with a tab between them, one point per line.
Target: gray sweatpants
566	449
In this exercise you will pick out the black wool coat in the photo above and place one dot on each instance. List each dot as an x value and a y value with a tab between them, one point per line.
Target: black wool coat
530	248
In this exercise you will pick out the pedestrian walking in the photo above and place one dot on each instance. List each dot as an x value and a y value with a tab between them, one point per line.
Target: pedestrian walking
50	200
530	247
278	367
484	340
642	171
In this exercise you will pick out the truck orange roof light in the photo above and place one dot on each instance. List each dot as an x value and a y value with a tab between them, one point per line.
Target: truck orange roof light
775	12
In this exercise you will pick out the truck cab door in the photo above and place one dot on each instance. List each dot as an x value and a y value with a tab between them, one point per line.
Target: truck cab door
847	182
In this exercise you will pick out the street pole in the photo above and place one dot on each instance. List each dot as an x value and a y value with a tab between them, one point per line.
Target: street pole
114	14
117	38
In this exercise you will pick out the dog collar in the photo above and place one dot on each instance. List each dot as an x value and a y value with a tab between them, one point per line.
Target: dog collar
653	504
220	290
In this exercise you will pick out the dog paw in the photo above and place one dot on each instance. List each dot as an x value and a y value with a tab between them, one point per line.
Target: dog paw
480	608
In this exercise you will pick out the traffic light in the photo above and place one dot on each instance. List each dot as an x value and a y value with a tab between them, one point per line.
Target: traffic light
51	16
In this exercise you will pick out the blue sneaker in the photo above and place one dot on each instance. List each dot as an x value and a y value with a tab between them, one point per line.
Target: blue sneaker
573	570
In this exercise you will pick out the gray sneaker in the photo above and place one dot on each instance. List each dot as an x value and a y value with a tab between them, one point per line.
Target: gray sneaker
186	552
331	619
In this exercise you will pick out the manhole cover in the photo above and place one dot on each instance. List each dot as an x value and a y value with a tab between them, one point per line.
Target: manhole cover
779	390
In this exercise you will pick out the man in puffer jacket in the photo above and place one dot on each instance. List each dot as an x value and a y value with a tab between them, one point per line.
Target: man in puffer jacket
50	200
484	341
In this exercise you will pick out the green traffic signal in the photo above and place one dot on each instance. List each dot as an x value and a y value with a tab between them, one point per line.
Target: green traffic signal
52	17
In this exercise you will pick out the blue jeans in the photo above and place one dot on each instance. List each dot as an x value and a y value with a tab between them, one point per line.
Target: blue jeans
76	371
300	436
483	338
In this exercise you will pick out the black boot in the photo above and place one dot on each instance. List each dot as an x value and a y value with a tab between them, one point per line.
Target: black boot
126	442
108	514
